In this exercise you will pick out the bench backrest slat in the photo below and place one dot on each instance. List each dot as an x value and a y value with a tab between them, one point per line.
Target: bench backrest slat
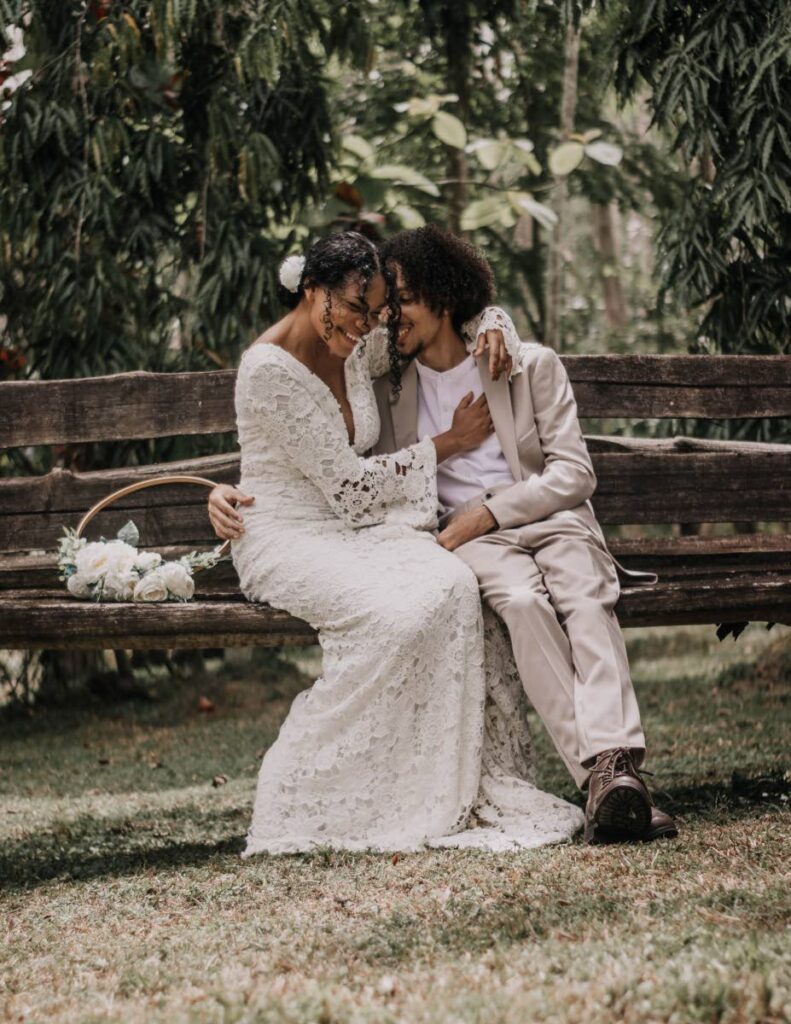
145	405
647	483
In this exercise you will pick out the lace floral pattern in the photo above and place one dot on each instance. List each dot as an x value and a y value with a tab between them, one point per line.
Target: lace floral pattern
415	733
280	404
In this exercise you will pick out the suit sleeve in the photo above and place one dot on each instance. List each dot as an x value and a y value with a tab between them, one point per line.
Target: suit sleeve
568	478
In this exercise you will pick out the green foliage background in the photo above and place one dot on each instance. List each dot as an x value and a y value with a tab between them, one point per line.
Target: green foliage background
163	155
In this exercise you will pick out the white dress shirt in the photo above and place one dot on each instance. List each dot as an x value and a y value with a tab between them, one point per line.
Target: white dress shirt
462	476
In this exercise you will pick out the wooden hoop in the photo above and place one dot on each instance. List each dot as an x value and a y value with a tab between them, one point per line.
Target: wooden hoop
142	485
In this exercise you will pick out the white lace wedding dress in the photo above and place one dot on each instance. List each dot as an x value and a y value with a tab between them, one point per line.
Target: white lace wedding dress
415	734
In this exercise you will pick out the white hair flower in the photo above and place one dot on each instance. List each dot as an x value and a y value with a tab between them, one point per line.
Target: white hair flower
291	272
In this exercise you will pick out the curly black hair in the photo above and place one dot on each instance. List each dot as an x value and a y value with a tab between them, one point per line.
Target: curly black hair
441	270
332	261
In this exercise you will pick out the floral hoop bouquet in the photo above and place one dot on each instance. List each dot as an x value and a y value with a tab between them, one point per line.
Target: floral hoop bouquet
116	570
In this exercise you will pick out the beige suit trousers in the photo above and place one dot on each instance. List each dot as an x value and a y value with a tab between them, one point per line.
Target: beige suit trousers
555	586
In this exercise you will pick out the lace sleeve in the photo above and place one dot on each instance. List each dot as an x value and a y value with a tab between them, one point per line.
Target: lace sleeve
495	319
376	352
359	490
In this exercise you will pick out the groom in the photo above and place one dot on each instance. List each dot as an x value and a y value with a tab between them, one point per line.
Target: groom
517	512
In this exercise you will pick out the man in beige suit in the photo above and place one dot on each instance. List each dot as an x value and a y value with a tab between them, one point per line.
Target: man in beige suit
517	510
518	513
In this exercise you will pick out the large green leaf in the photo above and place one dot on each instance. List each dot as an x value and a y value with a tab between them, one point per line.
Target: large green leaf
523	152
408	216
523	202
402	175
449	129
604	153
358	145
488	152
485	212
566	158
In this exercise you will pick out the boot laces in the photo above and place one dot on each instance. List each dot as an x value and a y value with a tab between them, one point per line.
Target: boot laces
617	762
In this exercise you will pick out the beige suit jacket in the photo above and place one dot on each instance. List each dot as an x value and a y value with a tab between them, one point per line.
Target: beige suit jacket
535	419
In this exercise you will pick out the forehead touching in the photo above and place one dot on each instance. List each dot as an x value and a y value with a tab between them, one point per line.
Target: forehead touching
407	289
374	294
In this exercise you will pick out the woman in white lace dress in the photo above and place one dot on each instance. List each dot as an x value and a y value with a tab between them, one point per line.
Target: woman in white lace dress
413	735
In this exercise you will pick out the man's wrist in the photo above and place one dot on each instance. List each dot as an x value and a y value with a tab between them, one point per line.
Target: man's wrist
487	520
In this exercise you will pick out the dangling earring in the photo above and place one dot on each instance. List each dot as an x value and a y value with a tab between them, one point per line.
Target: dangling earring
326	318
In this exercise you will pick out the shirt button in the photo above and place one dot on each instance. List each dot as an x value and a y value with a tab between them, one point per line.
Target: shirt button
489	494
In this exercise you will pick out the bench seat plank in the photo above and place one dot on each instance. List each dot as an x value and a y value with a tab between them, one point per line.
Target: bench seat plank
671	557
45	620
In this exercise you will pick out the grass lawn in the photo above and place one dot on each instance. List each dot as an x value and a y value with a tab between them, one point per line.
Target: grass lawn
124	897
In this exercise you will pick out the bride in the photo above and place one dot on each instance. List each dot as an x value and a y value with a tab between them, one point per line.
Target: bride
415	734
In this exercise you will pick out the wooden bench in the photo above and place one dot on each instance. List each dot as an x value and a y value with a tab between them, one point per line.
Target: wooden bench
731	577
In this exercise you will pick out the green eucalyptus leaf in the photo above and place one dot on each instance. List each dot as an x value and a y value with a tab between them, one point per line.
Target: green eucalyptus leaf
399	174
129	534
409	217
604	153
485	212
488	152
359	146
449	129
523	202
566	158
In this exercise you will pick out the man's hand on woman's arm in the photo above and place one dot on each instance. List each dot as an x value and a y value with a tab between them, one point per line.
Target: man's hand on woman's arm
227	522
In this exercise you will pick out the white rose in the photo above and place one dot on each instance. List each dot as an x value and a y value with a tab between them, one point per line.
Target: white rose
119	586
122	556
150	587
92	561
147	560
77	585
178	580
291	272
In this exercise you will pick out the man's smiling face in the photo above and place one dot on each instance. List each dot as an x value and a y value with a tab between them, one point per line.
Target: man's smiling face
418	325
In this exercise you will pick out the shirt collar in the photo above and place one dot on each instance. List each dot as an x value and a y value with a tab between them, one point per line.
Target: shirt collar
428	375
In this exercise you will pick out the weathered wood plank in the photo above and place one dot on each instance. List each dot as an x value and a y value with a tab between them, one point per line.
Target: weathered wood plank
671	557
639	486
145	405
645	401
64	624
684	370
65	491
116	407
70	624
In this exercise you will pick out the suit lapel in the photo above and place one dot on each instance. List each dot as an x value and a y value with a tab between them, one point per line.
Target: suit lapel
498	395
403	409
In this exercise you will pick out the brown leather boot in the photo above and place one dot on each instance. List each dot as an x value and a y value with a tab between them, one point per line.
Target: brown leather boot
619	805
662	826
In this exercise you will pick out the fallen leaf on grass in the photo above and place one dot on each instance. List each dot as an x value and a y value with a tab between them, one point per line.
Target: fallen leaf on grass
219	780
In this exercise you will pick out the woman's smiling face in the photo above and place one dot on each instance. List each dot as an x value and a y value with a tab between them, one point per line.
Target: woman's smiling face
343	316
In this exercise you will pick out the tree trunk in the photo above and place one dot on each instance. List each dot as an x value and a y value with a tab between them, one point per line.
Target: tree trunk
605	245
568	106
458	43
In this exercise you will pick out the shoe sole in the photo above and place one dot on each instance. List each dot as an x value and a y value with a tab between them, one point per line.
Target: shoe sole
623	814
664	832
